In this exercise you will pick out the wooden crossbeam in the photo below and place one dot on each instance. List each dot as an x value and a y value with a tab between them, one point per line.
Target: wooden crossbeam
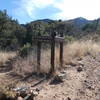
47	38
59	39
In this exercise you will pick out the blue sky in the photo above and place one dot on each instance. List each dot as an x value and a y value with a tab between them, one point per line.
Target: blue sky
28	10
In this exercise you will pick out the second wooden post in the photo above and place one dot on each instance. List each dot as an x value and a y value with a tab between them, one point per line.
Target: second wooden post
52	69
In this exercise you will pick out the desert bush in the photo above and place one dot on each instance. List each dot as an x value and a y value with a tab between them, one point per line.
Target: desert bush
69	39
23	52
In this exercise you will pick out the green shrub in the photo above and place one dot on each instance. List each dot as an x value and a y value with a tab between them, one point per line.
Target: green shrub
23	52
69	39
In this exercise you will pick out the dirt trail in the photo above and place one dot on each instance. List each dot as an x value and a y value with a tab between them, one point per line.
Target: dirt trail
84	85
79	84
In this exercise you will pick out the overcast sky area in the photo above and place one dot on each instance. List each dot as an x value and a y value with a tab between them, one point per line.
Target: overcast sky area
29	10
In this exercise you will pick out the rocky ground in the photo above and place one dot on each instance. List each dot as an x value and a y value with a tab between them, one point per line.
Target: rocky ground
80	81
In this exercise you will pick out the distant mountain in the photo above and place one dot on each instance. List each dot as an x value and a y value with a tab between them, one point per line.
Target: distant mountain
45	20
79	22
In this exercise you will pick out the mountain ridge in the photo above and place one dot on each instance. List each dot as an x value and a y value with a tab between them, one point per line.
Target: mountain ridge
77	22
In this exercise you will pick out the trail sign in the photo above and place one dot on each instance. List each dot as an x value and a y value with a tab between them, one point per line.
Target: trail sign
52	40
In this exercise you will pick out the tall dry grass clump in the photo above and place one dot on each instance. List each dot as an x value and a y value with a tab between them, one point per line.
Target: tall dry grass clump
5	56
80	49
28	64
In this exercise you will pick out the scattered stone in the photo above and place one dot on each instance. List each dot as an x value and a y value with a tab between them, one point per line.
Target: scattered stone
79	69
23	94
62	76
63	72
68	98
89	84
80	58
80	63
20	98
81	92
38	89
57	79
73	64
35	93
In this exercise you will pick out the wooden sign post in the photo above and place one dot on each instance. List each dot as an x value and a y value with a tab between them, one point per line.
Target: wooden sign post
38	54
52	40
61	51
52	53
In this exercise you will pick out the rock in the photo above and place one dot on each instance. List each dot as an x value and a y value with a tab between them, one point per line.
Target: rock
73	64
35	93
79	69
62	76
80	63
89	84
38	89
20	98
57	79
23	93
79	59
68	98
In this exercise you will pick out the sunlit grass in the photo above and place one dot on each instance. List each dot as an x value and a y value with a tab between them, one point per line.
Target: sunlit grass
5	56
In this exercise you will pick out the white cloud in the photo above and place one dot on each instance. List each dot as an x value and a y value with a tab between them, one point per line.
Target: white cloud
31	6
68	8
76	8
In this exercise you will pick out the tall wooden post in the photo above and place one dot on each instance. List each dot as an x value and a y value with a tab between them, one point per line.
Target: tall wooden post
61	51
52	69
52	41
38	54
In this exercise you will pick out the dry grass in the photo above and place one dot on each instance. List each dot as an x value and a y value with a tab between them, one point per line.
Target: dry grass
24	66
80	49
5	56
72	50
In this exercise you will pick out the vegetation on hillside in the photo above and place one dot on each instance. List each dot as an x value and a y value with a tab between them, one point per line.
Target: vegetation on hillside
14	35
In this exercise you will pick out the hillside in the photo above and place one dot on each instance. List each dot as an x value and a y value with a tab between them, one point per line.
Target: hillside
14	35
79	22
